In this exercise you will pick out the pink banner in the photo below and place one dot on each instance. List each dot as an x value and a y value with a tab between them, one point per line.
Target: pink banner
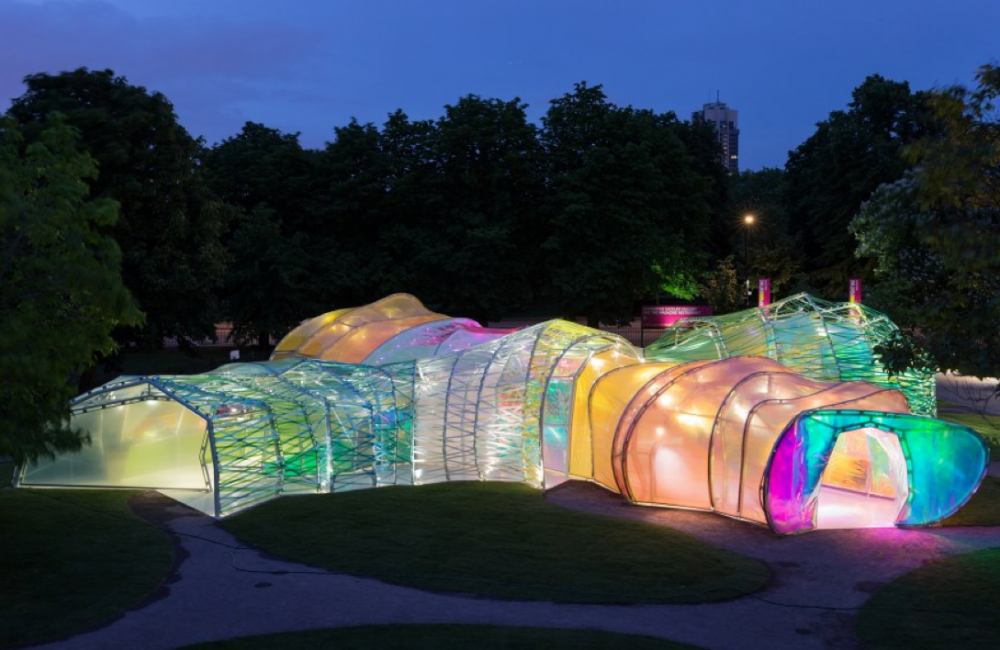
661	316
855	290
763	292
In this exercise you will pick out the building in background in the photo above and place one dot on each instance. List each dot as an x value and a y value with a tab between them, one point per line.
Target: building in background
727	125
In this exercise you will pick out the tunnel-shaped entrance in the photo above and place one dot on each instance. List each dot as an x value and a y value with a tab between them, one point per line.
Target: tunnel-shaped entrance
854	468
864	484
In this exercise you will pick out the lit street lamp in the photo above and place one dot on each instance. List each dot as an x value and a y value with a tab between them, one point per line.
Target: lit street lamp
747	222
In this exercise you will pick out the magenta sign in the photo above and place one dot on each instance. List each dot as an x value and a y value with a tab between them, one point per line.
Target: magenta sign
854	288
763	292
661	316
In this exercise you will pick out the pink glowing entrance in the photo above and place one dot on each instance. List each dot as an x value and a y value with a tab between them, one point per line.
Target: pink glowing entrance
864	483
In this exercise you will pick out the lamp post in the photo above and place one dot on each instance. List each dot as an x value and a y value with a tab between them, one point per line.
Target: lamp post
747	222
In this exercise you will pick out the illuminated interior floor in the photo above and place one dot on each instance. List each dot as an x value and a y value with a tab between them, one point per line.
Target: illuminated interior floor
840	508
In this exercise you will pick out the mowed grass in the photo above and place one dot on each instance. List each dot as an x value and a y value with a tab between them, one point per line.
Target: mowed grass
71	561
495	539
947	605
445	637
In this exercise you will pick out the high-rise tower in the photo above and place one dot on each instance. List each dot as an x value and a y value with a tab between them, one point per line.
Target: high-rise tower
727	125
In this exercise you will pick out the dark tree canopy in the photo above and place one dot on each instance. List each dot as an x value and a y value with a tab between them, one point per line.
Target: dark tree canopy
439	209
934	234
490	183
169	231
832	173
62	286
276	186
628	211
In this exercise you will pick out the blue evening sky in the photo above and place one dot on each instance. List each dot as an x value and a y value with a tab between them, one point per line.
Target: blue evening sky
310	65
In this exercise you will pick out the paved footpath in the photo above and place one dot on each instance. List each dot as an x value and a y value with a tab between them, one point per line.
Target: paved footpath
219	592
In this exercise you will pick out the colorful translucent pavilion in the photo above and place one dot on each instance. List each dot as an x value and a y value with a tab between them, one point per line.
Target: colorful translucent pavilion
392	394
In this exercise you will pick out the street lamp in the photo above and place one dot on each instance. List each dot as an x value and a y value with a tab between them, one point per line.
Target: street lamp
747	223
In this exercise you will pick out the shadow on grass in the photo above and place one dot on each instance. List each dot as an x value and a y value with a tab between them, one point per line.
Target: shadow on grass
73	560
496	539
438	637
946	605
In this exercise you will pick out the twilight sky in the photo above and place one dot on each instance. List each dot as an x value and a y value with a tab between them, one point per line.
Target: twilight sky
310	65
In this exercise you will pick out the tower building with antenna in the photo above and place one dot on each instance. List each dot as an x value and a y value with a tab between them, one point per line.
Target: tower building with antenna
727	126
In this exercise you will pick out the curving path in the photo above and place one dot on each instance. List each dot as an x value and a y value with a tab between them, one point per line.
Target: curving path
218	592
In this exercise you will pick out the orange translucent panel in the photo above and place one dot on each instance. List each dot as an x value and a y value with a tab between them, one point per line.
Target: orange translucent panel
771	418
668	442
700	434
779	385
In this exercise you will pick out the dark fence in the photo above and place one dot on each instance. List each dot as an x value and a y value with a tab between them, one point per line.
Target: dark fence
634	334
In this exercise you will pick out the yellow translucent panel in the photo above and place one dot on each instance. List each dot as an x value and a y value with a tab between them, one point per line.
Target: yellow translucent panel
400	305
294	339
611	396
581	462
847	471
323	339
356	345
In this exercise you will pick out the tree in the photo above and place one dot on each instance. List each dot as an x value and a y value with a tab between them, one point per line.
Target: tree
440	209
628	212
722	288
62	286
489	186
170	228
376	181
934	235
832	173
276	277
268	284
702	143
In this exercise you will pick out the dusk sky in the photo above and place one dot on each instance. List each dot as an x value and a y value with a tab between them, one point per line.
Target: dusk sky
311	65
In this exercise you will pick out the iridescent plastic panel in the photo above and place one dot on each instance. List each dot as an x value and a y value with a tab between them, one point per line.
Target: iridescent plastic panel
441	399
822	340
441	336
945	463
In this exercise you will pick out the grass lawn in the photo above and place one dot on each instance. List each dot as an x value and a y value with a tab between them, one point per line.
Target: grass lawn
950	605
443	637
72	560
495	539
